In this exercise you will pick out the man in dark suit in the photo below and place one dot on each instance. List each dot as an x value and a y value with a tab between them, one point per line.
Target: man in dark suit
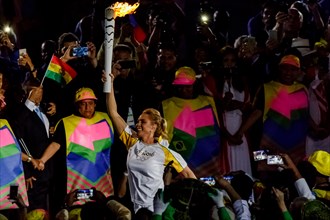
32	129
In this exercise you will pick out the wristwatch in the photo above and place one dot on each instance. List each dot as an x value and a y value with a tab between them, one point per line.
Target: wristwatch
29	159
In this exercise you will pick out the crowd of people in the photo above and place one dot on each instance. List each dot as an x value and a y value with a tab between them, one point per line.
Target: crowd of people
198	124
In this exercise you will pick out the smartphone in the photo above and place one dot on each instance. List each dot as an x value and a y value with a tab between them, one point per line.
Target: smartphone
273	35
209	180
127	64
228	178
79	51
84	193
13	192
205	65
274	160
260	155
22	52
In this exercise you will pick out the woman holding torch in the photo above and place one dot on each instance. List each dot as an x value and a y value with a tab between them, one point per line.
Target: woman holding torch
148	153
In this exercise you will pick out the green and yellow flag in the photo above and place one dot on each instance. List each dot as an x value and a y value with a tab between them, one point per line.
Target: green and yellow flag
60	71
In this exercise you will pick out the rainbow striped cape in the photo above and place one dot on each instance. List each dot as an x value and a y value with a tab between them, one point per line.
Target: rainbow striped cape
285	116
11	167
194	132
88	152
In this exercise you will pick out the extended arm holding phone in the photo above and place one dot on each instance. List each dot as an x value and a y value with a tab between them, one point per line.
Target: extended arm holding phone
300	182
241	207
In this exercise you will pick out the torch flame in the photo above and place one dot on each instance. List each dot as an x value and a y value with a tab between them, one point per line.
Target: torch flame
123	8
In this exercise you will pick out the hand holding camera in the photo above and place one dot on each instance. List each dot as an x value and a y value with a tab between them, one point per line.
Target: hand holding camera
5	41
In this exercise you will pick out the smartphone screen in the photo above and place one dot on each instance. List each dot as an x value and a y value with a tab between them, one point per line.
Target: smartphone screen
209	180
80	51
13	192
274	160
259	155
228	178
84	193
22	52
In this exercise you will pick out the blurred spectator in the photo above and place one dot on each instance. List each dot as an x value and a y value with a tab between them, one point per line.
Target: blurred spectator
31	127
86	67
261	24
159	77
9	54
284	90
198	142
314	19
12	172
234	106
321	161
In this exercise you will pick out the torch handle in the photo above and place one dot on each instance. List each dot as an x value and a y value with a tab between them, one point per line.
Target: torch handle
108	46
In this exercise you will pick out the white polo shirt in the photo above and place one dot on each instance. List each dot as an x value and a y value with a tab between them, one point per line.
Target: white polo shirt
145	166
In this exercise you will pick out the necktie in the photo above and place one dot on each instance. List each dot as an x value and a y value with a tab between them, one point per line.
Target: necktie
37	110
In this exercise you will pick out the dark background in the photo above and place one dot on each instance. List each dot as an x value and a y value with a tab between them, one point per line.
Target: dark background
34	21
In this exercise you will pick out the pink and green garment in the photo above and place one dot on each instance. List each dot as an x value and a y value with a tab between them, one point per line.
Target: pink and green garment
88	152
194	132
11	167
285	117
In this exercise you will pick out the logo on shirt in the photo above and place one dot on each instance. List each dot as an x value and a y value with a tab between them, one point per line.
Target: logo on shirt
144	154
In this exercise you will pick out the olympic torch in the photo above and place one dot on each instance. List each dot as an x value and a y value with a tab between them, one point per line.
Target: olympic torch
118	9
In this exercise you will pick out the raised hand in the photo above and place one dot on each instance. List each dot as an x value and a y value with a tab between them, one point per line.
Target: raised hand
5	41
159	204
217	198
279	195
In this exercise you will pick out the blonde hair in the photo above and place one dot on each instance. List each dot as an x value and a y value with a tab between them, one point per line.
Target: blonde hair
155	117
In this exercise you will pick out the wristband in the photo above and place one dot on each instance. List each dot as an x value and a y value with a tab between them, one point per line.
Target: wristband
34	69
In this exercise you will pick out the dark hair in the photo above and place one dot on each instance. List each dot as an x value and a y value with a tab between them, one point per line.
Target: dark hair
224	51
66	37
49	45
29	84
243	185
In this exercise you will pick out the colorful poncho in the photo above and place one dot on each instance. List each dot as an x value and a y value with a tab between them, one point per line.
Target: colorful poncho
88	152
285	118
11	167
194	132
